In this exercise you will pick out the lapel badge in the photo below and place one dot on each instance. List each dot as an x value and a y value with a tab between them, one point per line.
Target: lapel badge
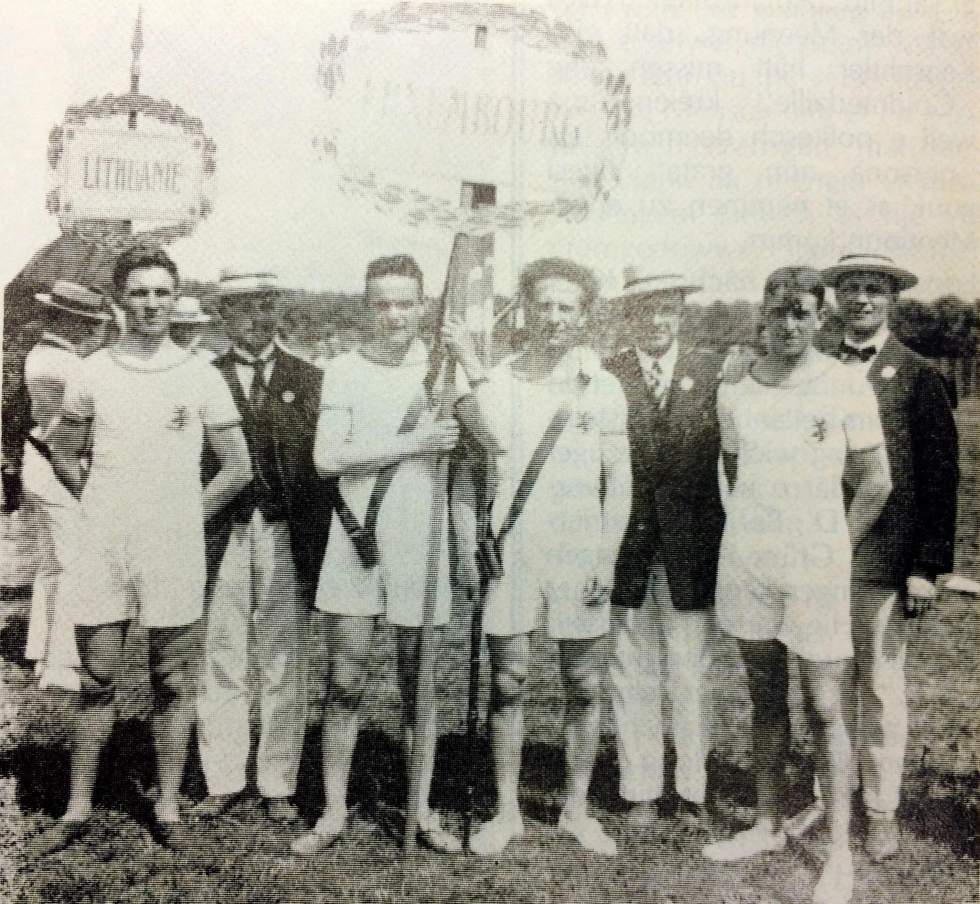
289	396
687	384
888	372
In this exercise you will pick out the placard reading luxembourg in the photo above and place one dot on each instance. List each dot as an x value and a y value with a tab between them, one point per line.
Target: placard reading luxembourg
130	175
423	96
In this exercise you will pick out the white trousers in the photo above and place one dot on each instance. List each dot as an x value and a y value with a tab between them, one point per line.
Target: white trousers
51	631
641	639
256	603
875	702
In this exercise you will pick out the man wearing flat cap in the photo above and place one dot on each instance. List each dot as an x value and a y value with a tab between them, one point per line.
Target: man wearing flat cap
264	553
895	567
665	576
75	319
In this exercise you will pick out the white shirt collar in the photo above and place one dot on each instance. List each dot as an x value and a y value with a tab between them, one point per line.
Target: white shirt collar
246	355
877	340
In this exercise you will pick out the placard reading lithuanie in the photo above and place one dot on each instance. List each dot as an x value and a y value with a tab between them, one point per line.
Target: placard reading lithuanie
131	175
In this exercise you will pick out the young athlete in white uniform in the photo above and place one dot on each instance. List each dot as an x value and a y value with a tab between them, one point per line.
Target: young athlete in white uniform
146	405
74	325
366	395
559	559
791	429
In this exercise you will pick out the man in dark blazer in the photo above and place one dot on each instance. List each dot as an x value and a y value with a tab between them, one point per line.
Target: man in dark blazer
895	567
265	552
665	576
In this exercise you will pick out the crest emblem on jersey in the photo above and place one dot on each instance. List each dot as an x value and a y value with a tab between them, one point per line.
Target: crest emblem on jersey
687	384
179	419
289	396
888	372
819	429
584	421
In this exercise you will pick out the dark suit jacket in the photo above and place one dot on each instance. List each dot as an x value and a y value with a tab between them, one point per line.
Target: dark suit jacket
289	415
917	528
676	516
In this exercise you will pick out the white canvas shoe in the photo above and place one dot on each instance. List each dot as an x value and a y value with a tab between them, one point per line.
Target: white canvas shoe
742	845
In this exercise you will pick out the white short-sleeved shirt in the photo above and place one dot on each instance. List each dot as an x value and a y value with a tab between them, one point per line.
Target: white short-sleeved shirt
784	566
143	495
365	399
553	546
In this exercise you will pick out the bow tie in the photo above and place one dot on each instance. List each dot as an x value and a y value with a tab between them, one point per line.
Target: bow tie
852	353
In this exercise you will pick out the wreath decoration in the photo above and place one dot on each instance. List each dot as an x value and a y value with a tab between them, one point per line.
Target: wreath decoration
106	234
536	31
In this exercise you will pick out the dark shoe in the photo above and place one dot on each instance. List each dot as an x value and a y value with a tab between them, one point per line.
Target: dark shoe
57	837
882	840
281	809
643	814
215	805
692	815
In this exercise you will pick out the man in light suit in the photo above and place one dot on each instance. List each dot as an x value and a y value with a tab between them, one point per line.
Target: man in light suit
895	567
665	576
263	549
75	321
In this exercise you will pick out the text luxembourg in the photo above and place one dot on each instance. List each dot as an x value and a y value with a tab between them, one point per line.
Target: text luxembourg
126	174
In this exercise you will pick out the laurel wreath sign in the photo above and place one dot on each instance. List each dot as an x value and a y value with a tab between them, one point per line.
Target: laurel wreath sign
112	235
536	31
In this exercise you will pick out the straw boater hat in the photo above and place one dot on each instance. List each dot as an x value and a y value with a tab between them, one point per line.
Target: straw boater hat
635	286
75	299
188	310
231	284
869	263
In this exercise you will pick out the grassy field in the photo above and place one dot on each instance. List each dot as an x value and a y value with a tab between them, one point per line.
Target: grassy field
244	857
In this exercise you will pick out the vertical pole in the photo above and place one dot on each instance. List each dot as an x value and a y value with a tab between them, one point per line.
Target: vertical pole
134	68
134	86
466	252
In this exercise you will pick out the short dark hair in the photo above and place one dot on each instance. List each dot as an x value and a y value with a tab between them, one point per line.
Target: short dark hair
795	279
559	268
394	265
140	257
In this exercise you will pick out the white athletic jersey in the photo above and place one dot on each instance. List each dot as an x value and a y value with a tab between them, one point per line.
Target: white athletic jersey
148	419
786	513
362	399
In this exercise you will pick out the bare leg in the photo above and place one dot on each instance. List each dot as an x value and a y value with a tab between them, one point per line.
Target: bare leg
174	657
408	645
101	649
822	683
430	828
509	662
583	667
765	667
349	640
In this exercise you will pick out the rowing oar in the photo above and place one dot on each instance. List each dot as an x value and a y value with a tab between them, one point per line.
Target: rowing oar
469	253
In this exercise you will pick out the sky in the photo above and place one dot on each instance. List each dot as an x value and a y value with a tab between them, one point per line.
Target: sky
765	133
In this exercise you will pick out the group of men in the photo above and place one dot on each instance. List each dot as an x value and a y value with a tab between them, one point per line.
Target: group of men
593	508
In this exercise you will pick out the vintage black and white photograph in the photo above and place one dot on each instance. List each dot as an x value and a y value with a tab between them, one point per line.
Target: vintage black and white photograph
476	452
